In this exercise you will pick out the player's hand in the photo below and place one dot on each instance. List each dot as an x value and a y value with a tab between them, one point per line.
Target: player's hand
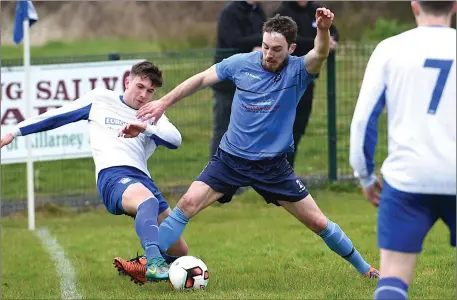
6	140
132	130
372	192
153	109
324	18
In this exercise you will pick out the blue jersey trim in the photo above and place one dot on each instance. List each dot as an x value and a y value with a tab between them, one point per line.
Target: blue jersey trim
161	142
58	120
371	133
122	100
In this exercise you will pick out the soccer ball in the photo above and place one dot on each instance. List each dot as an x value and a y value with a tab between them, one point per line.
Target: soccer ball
188	273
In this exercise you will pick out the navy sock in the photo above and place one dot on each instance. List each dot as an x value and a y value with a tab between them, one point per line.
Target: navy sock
171	229
391	288
337	240
147	227
169	258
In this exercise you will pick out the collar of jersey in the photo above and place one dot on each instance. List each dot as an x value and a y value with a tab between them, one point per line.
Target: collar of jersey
122	100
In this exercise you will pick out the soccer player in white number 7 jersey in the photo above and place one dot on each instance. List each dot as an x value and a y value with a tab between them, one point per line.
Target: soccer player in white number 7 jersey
413	75
122	176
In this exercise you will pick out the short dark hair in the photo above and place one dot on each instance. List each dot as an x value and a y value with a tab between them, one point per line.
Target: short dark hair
148	69
436	8
283	25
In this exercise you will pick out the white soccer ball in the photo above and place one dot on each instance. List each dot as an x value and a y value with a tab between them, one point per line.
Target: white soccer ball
188	273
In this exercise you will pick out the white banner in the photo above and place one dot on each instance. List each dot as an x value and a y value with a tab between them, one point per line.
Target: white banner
53	86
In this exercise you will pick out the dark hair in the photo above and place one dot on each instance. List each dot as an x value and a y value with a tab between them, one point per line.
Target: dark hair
436	8
148	69
283	25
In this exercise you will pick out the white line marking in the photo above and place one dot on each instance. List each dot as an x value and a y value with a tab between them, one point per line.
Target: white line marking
64	268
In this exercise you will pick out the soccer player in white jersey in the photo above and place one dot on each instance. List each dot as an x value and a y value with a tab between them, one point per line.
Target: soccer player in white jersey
253	151
122	176
413	75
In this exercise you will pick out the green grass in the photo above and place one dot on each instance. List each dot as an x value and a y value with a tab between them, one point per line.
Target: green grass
193	117
91	47
252	250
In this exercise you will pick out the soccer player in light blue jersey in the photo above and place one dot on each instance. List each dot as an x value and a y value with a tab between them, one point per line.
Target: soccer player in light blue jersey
253	151
413	74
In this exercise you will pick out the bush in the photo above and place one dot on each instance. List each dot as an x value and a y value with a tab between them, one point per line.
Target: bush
383	29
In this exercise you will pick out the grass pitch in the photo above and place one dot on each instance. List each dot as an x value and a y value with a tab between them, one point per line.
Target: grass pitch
253	251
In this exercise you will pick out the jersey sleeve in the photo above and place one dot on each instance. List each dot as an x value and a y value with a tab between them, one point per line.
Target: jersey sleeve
164	133
364	126
226	68
75	111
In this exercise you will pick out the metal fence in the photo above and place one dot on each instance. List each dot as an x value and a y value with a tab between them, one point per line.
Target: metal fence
323	153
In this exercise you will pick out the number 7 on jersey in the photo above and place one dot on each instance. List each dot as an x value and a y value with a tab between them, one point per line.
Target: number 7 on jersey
444	65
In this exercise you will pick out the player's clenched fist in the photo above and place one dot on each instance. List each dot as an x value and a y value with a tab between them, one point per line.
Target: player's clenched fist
324	18
132	130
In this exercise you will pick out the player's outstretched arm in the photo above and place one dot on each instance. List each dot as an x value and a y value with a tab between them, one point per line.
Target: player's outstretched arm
155	109
164	133
316	57
69	113
364	124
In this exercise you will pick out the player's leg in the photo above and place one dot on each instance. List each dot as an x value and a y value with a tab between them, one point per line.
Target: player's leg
136	267
139	201
198	196
303	112
179	248
217	180
123	191
308	213
404	219
397	270
283	187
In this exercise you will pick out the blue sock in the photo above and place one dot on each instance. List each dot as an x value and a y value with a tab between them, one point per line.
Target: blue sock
147	227
337	240
391	288
171	229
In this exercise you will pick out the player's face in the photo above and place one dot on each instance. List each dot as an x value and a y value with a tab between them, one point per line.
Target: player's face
138	91
275	50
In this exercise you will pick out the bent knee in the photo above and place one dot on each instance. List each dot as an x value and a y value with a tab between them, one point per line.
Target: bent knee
317	223
133	196
188	204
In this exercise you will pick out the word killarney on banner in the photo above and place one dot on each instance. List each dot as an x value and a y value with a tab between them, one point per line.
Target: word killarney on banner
53	86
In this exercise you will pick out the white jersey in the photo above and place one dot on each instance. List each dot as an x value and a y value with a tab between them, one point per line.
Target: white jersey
106	113
413	74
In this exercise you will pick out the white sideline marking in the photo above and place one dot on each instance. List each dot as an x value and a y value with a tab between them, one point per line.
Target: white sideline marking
64	268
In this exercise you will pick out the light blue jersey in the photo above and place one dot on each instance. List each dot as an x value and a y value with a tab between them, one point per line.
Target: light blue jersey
263	108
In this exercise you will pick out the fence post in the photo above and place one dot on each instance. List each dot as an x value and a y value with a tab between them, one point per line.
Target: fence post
331	116
114	56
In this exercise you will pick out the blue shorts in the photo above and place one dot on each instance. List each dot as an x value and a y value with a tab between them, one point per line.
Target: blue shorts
112	182
273	179
404	219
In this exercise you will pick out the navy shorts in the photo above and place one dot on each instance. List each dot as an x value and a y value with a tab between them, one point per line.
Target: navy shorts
274	179
112	182
404	219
